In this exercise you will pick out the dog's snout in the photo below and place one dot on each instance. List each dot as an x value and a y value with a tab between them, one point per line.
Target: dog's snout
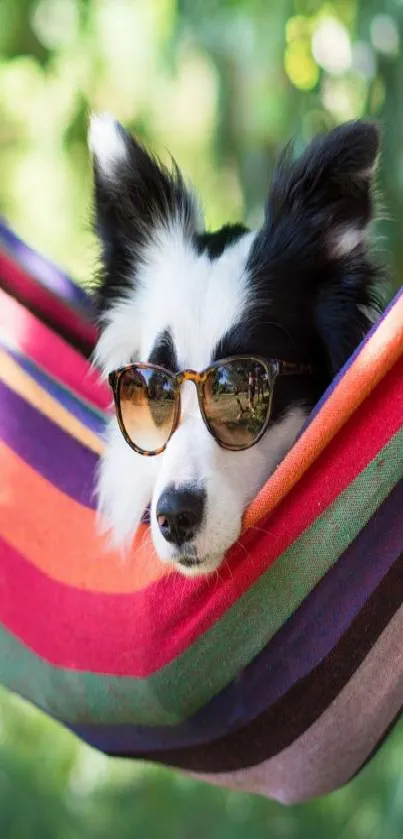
180	514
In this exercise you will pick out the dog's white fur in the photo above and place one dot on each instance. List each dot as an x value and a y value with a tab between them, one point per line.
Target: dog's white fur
174	287
199	300
106	143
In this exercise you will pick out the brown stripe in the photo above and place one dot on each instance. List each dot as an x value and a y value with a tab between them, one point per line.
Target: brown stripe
279	726
328	754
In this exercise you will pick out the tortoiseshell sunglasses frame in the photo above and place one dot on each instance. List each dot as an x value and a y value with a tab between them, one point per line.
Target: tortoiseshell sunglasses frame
273	367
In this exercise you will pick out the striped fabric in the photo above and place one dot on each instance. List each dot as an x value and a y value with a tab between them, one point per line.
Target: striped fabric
282	674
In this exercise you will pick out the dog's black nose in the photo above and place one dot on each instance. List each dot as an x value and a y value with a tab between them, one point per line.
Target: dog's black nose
180	513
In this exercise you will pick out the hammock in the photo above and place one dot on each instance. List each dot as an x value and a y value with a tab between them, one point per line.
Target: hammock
279	676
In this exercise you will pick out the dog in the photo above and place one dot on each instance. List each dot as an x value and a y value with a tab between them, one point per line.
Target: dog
295	296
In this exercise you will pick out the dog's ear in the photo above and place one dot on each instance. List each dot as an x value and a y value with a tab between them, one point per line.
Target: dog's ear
317	215
135	197
330	185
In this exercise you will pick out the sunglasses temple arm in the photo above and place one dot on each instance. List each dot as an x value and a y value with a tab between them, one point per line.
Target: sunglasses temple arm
288	368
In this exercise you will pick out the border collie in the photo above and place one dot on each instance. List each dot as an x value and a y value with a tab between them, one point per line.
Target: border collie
295	296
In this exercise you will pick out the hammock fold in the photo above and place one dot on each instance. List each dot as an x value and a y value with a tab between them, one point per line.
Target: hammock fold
282	675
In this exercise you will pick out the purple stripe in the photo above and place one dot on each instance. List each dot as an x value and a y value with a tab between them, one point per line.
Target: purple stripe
44	271
83	411
302	643
52	452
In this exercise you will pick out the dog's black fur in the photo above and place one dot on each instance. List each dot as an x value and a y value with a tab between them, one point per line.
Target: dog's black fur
307	282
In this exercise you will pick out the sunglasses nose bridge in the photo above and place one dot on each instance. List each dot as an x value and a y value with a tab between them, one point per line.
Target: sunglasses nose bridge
189	376
190	397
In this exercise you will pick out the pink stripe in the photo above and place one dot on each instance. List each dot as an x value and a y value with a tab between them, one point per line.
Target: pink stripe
20	283
35	340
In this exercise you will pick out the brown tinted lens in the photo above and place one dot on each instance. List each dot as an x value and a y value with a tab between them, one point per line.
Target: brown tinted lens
237	398
147	401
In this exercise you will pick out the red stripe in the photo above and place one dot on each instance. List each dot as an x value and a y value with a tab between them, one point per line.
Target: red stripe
77	629
22	285
45	348
151	627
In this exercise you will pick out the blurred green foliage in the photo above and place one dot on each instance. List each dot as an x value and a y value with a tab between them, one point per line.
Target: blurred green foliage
221	84
51	787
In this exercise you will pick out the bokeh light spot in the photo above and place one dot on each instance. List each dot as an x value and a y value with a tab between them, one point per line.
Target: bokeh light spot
55	22
300	67
385	35
331	46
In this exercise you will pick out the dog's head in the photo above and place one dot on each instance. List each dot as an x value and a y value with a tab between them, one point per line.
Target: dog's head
300	289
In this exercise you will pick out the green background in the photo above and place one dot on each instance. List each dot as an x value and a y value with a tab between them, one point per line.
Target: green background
222	86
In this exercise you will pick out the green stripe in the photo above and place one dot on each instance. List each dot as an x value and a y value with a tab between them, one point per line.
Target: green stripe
182	687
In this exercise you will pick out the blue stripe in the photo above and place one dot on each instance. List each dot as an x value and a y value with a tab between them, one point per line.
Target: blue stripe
83	411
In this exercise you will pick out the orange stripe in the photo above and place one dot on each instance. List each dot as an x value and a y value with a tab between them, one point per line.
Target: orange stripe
58	536
20	382
375	360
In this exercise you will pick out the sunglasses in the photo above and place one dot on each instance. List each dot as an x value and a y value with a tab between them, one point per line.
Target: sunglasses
235	397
